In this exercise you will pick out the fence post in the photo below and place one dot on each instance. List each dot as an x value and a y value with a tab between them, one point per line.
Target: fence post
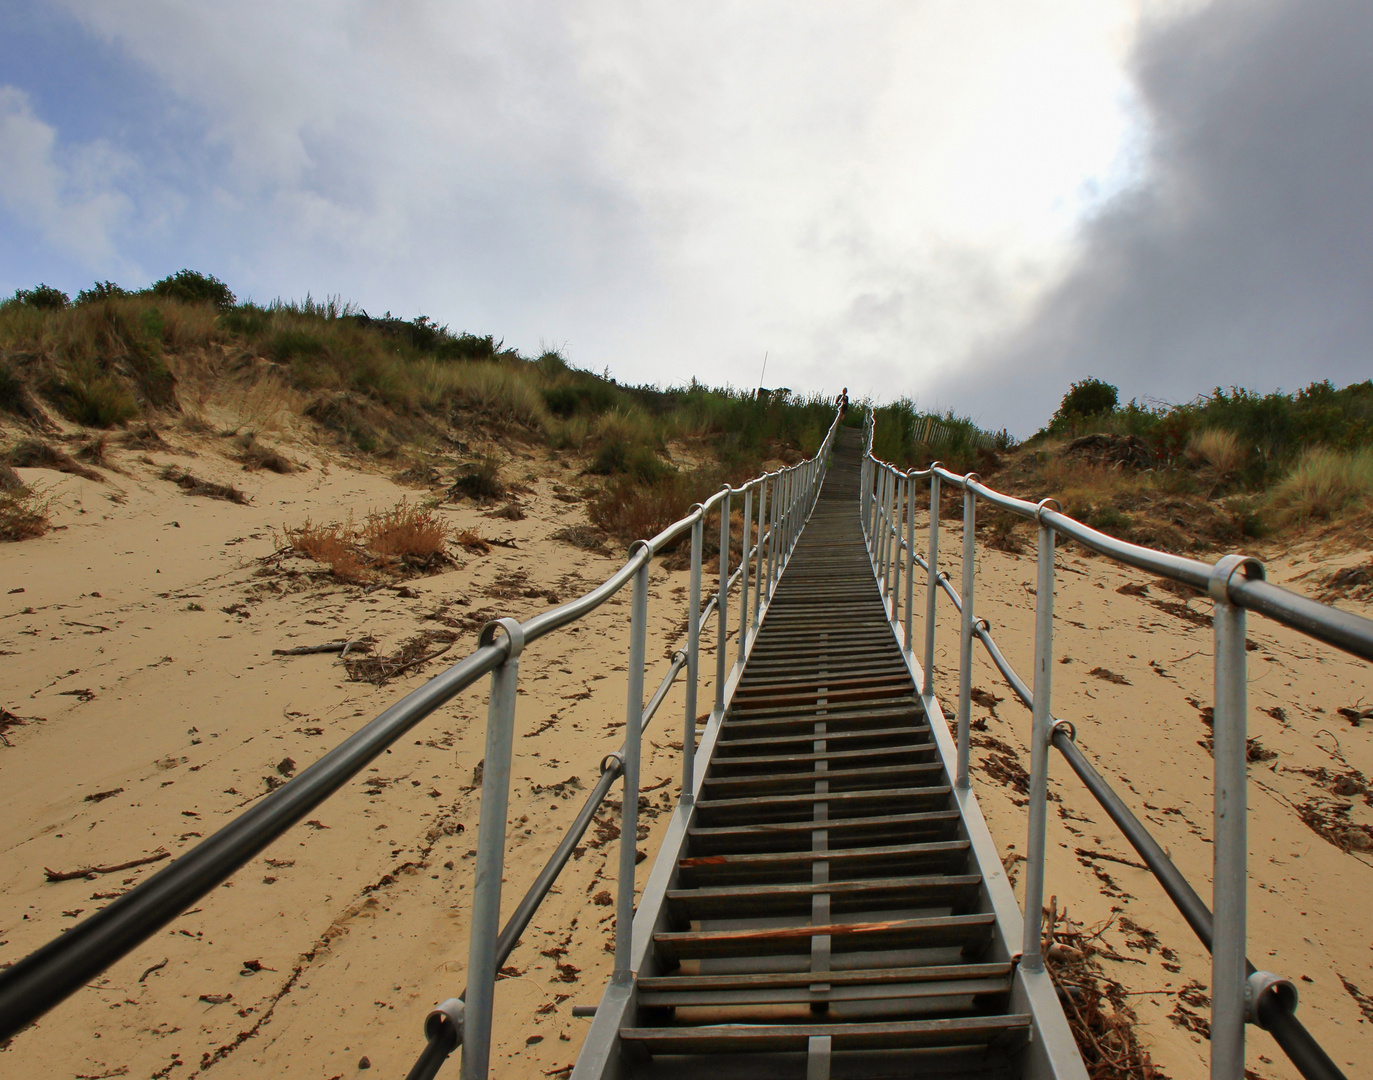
965	640
629	804
932	590
1032	957
910	554
722	606
1229	829
745	555
698	529
486	891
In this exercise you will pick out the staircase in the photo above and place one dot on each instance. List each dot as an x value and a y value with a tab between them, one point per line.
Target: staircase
825	911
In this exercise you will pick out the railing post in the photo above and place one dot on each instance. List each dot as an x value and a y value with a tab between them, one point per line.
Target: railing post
693	657
629	804
931	591
1230	833
965	640
910	555
897	556
762	526
722	606
486	890
1032	957
745	555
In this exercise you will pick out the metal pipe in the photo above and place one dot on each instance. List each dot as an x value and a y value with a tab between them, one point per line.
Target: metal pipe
693	651
758	570
1032	958
910	555
1229	830
629	802
746	555
931	595
897	560
722	604
486	891
965	641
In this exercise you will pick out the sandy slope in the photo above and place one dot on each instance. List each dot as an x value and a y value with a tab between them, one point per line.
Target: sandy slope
358	919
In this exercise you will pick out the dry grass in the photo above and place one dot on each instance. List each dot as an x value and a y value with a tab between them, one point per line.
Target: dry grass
255	455
405	533
23	513
405	537
1323	484
193	485
36	454
1218	448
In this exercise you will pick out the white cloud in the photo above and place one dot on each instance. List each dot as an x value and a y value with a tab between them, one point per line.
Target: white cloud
67	193
671	188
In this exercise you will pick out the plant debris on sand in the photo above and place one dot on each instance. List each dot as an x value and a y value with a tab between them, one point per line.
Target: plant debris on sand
193	485
413	653
405	538
1097	1006
36	454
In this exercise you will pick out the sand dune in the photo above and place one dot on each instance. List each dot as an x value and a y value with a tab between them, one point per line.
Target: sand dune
139	655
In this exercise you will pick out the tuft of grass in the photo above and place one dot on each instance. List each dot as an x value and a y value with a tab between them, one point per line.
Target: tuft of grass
479	481
630	509
97	399
36	454
24	514
1218	448
405	533
193	485
332	545
1324	483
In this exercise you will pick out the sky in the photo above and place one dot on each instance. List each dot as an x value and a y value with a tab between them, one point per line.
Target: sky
970	203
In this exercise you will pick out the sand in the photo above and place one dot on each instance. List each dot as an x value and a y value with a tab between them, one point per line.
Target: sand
140	654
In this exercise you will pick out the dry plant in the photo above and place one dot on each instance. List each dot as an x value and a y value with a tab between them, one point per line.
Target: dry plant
1097	1008
36	454
1218	448
193	485
1324	483
405	533
332	545
23	513
255	455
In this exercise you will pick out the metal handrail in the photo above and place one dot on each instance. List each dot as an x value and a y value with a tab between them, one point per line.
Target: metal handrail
39	981
1239	993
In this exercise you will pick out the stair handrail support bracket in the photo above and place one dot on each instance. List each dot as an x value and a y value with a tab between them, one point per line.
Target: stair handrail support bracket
486	889
1032	954
1229	977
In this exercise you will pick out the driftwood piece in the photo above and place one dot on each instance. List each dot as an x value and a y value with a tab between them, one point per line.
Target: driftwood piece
88	871
345	647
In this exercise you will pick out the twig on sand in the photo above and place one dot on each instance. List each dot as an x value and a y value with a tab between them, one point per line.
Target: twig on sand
87	871
155	967
345	647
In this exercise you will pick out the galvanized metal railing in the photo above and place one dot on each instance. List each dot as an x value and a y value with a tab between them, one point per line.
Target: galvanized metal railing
784	501
1240	994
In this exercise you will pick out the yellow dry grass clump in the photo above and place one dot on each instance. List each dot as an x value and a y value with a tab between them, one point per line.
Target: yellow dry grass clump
1217	448
1325	483
405	535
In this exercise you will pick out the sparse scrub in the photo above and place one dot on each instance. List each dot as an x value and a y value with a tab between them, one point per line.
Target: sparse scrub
36	454
332	545
1218	448
479	481
1324	483
405	533
255	455
405	536
24	514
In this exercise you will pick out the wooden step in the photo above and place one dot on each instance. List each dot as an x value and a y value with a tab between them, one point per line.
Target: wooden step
838	780
839	803
872	894
879	706
941	856
970	932
726	747
725	766
780	836
1003	1032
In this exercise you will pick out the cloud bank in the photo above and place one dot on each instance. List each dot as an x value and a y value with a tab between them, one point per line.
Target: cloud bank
1245	256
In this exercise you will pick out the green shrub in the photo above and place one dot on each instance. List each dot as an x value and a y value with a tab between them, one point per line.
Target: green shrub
292	344
248	320
101	290
1323	483
192	287
43	297
94	398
